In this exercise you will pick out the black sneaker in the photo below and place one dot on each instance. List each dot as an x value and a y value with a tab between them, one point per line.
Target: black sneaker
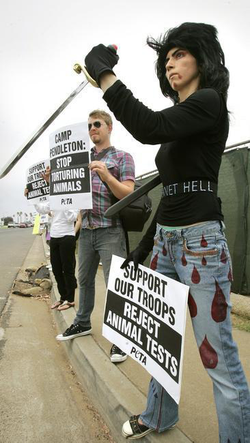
117	355
74	331
133	430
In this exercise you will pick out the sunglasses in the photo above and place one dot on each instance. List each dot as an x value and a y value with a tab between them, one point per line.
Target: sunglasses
96	124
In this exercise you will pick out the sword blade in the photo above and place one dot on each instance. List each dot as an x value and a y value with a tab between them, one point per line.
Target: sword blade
24	148
130	198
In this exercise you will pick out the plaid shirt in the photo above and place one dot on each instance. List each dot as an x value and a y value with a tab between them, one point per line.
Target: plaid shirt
121	166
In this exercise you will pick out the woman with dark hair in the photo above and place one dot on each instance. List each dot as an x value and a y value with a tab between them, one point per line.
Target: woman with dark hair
205	48
187	232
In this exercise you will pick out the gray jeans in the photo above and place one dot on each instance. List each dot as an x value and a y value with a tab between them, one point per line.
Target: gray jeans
95	245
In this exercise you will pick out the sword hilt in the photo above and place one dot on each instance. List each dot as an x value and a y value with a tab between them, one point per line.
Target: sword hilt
79	68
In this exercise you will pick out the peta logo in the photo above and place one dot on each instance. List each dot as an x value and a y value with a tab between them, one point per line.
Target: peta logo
138	355
66	201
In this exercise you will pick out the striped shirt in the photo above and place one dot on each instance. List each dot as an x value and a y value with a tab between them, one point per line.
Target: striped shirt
121	165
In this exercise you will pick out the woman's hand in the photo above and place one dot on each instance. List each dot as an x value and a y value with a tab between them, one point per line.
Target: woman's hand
101	59
137	256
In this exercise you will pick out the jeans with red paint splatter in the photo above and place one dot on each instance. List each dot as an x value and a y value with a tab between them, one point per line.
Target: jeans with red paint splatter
198	256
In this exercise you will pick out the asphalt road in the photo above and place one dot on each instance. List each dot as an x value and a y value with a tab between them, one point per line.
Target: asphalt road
41	399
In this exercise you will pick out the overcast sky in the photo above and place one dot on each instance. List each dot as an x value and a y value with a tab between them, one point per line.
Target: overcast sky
41	41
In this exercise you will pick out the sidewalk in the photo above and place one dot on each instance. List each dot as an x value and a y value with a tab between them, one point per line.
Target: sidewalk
119	391
41	398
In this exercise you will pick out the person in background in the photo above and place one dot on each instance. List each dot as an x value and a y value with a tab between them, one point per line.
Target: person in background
113	172
187	234
62	250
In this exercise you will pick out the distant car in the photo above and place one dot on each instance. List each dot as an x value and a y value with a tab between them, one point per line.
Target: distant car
12	225
22	225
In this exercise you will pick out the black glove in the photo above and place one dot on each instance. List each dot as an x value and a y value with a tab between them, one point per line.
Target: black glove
138	255
101	59
141	252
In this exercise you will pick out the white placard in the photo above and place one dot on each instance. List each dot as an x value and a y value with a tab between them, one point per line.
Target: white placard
145	316
70	178
38	188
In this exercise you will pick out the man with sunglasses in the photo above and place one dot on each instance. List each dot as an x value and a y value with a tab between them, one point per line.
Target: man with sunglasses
113	172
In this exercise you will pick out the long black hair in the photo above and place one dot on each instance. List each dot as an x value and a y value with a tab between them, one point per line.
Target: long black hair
201	41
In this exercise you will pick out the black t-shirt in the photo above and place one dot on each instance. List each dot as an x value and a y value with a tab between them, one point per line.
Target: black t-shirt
192	135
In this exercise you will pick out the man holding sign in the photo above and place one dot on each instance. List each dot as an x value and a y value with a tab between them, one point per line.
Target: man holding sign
113	172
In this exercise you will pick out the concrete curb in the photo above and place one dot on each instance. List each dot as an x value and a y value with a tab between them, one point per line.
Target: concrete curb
112	393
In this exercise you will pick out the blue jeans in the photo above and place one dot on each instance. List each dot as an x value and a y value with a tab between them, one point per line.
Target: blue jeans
95	245
198	256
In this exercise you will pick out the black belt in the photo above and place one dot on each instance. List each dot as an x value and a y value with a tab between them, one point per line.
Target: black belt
188	187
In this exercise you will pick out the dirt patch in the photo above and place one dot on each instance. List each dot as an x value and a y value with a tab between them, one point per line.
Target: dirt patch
241	323
33	282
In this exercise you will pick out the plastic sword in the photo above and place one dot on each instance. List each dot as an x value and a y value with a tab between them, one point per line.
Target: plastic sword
24	148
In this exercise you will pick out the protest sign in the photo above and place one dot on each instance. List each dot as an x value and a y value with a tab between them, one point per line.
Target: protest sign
70	180
38	188
145	316
39	223
36	227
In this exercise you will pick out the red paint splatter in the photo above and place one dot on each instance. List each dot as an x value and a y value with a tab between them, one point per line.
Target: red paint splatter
192	305
154	262
164	251
223	257
219	305
208	354
183	260
195	277
203	242
230	275
203	261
